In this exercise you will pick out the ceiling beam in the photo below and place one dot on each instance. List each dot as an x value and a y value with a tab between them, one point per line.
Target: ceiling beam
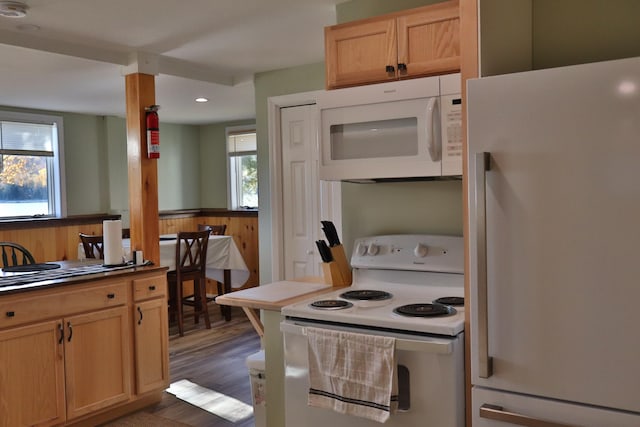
131	61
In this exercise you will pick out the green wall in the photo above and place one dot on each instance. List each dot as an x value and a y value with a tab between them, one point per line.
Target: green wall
572	32
191	168
213	163
116	137
86	165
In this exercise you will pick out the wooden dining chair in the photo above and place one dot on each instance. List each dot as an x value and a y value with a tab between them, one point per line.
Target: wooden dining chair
14	254
92	244
215	230
191	261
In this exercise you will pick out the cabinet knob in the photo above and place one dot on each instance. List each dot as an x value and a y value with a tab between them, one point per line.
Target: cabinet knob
111	296
152	288
10	313
390	69
402	67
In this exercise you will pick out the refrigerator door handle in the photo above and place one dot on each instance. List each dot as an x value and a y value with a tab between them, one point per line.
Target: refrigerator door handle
497	413
485	362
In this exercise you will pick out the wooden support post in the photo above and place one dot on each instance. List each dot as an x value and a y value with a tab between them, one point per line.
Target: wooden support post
143	172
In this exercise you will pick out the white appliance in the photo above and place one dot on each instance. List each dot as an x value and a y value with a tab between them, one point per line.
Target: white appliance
404	129
410	271
554	196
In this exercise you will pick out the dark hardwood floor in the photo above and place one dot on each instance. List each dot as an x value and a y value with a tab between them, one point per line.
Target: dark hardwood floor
212	358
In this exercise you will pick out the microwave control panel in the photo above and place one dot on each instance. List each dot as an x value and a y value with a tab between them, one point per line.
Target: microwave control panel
451	106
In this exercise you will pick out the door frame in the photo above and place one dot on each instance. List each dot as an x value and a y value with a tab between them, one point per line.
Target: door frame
334	204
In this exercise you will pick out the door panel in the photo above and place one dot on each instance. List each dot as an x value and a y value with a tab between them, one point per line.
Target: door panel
32	376
150	329
97	362
562	234
300	191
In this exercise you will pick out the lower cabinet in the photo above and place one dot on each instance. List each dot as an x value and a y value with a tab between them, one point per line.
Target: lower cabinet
151	349
66	355
32	375
97	361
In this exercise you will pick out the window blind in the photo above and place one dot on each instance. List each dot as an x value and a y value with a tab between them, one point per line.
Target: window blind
26	138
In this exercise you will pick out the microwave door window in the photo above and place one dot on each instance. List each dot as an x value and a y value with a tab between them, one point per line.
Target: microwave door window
375	139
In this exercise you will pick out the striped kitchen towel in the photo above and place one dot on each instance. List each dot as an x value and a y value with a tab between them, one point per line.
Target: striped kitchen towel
351	373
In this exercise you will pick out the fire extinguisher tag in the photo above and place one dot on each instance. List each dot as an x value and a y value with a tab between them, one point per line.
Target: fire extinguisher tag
153	136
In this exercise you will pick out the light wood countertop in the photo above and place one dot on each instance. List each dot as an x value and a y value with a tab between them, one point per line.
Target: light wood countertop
274	296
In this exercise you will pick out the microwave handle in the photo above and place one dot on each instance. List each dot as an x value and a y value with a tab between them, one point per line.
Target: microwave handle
432	143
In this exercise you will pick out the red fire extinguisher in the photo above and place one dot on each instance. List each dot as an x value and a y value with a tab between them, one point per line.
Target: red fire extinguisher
153	132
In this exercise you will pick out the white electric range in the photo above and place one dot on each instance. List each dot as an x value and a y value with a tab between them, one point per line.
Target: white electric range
410	287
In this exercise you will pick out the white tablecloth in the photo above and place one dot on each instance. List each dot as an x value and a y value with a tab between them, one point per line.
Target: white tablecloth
222	254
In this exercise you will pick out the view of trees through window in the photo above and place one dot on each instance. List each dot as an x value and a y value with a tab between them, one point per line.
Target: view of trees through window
23	178
243	168
249	180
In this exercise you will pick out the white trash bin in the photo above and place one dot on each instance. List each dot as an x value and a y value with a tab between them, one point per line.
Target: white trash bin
255	363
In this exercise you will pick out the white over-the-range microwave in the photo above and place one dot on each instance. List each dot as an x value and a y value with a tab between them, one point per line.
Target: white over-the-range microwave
408	129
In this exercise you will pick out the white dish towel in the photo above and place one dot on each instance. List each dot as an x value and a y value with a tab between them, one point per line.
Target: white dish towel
351	373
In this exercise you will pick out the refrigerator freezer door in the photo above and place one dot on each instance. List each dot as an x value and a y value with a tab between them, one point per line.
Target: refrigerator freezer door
530	412
562	209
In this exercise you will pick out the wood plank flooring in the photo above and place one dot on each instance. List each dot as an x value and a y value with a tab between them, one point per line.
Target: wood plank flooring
213	358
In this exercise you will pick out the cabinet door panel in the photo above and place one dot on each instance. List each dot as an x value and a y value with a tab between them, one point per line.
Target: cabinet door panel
357	54
97	360
151	353
428	40
32	376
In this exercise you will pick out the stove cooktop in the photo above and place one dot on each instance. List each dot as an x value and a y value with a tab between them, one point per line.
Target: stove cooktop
381	316
395	271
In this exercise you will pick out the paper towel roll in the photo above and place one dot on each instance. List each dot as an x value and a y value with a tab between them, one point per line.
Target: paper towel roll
112	238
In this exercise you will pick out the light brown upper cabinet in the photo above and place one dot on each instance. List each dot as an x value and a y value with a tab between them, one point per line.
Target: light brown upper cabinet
413	43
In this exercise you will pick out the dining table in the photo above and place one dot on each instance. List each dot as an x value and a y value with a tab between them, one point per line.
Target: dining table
224	260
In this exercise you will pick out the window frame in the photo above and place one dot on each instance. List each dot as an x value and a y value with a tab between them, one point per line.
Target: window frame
57	176
231	130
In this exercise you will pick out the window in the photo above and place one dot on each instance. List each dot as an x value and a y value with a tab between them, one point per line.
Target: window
243	167
31	181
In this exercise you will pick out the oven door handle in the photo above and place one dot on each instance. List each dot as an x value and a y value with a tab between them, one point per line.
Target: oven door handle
428	345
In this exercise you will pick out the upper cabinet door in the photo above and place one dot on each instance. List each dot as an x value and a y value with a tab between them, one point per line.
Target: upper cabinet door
429	40
364	52
414	43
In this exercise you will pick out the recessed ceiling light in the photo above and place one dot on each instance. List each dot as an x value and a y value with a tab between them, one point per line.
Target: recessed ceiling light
13	9
201	99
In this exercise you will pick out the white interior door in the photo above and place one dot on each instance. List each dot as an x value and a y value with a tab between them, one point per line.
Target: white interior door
300	191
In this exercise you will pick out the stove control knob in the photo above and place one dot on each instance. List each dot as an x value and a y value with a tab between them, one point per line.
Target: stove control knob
361	250
372	249
421	250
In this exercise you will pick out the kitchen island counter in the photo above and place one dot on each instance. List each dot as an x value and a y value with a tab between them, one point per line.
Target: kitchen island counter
271	298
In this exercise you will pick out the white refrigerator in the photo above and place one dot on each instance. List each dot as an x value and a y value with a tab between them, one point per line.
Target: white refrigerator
554	231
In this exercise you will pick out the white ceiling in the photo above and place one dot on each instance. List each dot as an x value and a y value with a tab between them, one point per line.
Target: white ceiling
74	60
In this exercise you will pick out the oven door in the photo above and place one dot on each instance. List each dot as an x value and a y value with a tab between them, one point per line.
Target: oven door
430	381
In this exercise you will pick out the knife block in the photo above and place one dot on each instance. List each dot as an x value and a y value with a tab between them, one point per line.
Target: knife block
340	259
332	275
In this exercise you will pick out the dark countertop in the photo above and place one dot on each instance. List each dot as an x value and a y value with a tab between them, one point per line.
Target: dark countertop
69	273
